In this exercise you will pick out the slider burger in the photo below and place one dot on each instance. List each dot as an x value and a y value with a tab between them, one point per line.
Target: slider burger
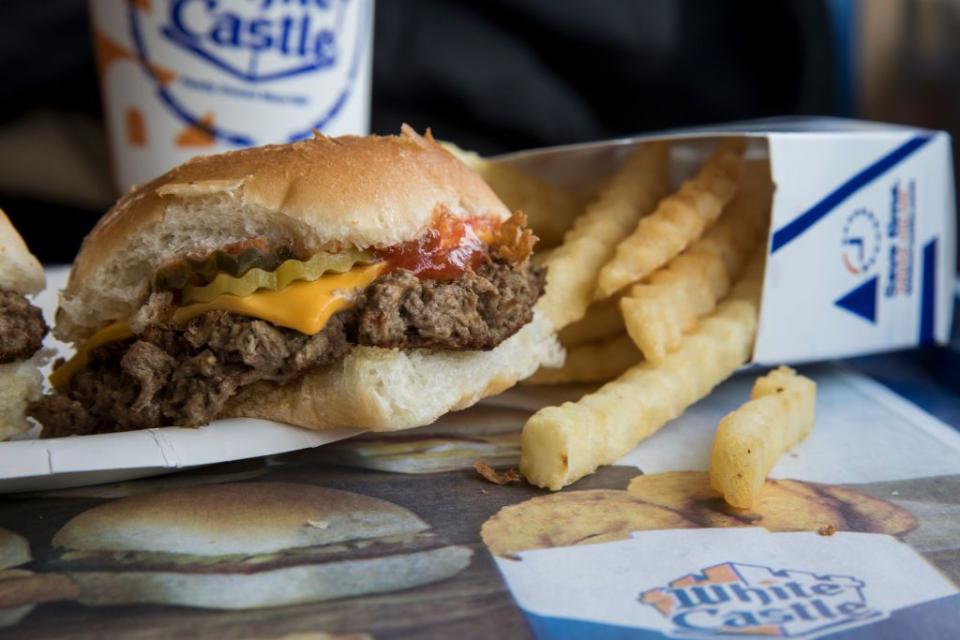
21	330
249	545
370	282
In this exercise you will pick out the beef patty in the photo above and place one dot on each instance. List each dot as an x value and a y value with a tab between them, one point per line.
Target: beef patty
21	327
184	375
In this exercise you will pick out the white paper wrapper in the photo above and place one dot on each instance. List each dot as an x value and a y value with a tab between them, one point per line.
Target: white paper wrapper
753	583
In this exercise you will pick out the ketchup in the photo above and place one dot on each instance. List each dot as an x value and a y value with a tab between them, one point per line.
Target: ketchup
447	249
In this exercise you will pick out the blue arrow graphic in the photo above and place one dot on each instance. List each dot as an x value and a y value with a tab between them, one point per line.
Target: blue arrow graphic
862	301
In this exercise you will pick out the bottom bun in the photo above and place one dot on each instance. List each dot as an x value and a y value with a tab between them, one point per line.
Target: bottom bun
276	588
20	384
390	389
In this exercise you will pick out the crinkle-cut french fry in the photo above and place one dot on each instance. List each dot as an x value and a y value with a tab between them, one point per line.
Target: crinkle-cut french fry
603	320
572	267
561	444
667	304
658	314
597	361
550	210
749	213
678	220
751	439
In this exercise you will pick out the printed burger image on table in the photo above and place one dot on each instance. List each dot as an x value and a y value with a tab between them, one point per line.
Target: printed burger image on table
385	387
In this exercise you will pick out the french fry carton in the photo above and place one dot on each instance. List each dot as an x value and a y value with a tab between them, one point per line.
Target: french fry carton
861	252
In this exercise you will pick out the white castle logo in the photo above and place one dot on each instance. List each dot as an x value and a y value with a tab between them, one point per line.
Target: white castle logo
258	40
251	72
751	600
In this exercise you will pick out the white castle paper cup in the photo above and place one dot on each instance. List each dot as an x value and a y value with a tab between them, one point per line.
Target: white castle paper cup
182	78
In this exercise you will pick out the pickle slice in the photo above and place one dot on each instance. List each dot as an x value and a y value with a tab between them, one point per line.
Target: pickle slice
200	272
289	271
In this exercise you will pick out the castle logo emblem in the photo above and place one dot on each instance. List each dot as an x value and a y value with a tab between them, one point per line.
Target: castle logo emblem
751	600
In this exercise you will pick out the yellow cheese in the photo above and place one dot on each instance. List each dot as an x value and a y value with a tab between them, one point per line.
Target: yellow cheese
110	333
304	306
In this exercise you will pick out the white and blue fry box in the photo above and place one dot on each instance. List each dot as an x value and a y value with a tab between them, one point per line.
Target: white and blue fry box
862	243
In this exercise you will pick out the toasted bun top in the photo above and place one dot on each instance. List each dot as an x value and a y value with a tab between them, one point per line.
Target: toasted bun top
319	194
238	518
20	271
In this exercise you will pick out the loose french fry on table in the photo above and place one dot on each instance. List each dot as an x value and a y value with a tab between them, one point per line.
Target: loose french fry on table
550	210
751	439
668	303
603	320
560	445
597	361
678	220
572	268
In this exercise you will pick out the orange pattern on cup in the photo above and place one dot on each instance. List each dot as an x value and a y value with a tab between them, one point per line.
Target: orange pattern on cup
199	135
136	128
108	52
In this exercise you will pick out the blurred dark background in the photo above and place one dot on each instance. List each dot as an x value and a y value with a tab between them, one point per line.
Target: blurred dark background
501	75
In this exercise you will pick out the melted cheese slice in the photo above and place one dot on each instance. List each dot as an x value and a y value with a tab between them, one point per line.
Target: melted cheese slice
304	306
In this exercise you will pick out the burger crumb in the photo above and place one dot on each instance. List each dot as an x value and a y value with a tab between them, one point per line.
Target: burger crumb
496	477
827	530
